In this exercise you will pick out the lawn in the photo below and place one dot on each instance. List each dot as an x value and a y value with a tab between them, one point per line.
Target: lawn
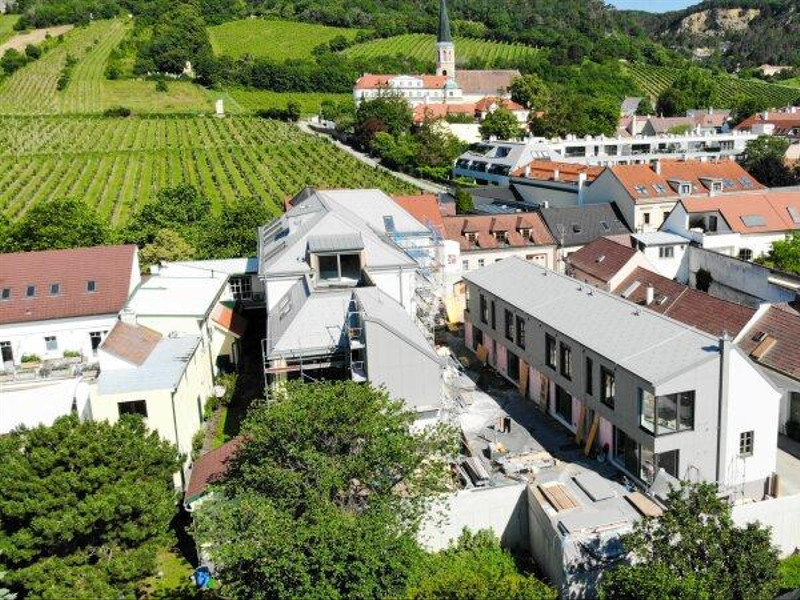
142	98
279	40
251	100
7	26
117	164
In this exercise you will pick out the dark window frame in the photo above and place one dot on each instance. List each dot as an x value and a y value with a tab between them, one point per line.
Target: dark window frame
484	308
508	325
565	360
588	367
133	407
608	399
747	443
550	351
520	327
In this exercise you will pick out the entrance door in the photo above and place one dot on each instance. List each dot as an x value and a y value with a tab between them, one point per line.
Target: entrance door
794	407
6	353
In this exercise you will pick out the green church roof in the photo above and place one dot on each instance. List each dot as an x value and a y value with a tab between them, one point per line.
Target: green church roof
444	24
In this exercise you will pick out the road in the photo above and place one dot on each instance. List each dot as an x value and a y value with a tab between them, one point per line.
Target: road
423	184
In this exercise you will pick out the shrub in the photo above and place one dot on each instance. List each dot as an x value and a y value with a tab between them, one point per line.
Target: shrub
197	442
789	572
33	52
117	111
30	358
161	86
72	354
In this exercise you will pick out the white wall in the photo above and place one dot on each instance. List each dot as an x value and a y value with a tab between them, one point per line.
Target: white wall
781	514
502	509
41	402
667	267
71	334
400	287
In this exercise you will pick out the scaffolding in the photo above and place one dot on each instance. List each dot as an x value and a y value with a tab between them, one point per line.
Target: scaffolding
355	340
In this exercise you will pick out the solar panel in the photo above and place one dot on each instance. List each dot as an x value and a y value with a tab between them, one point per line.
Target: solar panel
753	220
795	214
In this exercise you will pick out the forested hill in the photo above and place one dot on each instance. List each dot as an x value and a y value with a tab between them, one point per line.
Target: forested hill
742	33
570	29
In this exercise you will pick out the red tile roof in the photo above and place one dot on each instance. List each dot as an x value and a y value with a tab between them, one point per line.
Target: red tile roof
601	259
486	225
485	82
110	267
424	208
772	207
210	467
545	170
369	81
131	343
642	183
694	171
225	317
783	120
487	102
782	325
687	305
439	110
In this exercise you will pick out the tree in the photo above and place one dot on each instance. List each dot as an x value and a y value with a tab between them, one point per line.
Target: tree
12	60
33	52
501	124
390	114
645	107
785	254
693	88
474	568
178	208
464	202
324	496
167	245
234	231
694	550
85	507
180	35
60	223
531	92
764	160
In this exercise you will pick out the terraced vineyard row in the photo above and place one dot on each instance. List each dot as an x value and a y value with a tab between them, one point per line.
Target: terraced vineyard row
251	100
423	47
117	164
654	80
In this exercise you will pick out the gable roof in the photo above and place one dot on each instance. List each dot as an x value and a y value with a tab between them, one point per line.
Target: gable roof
484	227
485	82
424	208
637	339
210	467
228	319
781	120
732	175
369	81
642	183
578	225
112	268
602	258
767	211
131	343
545	170
783	326
664	124
685	304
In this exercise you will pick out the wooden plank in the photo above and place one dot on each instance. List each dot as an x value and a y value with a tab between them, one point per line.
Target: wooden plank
482	353
592	434
558	496
523	379
644	505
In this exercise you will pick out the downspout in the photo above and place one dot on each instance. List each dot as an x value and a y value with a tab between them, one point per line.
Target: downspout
402	299
724	343
177	441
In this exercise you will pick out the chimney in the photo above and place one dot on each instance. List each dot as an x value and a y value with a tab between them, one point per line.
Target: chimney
528	170
650	295
556	174
127	316
658	167
581	187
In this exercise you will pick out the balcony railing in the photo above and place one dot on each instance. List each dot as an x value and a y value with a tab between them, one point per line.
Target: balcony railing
48	370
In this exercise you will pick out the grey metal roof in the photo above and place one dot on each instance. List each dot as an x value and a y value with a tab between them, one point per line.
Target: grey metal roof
335	242
641	341
162	370
629	106
578	225
659	238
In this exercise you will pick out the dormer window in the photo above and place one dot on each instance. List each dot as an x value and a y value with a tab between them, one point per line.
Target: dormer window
716	186
470	235
91	286
525	232
501	236
685	189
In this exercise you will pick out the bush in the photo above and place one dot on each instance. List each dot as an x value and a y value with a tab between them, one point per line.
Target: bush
197	442
117	111
33	52
30	358
161	86
228	380
789	572
12	60
289	114
72	354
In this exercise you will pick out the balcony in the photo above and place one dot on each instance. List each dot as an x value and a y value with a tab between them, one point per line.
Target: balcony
48	370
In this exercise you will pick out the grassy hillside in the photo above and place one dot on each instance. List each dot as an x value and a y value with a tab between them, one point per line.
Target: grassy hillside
7	26
423	47
279	40
249	100
654	80
117	164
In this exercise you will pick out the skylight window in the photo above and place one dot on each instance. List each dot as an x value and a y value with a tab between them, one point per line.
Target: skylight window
605	226
795	214
576	228
729	183
388	223
660	189
746	181
641	190
753	220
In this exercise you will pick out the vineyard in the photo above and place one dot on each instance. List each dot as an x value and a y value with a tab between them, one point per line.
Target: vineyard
279	40
654	80
423	47
249	100
117	164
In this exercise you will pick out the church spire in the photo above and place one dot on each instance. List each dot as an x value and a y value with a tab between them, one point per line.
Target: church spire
444	23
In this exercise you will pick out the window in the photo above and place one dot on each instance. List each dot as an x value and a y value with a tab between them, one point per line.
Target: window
51	343
666	215
652	463
512	366
328	267
484	309
646	218
746	443
91	286
712	223
481	262
566	360
626	451
666	414
30	291
96	338
6	353
608	387
666	252
550	351
520	332
5	294
477	338
55	289
388	224
494	319
465	265
589	376
745	254
509	325
241	288
135	407
563	404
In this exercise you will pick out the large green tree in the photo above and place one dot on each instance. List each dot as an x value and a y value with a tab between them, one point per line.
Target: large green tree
324	496
785	254
233	232
473	568
390	114
693	88
180	208
501	124
764	160
59	223
532	92
695	551
84	508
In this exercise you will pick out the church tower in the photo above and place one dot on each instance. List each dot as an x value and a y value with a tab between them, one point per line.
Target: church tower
445	49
